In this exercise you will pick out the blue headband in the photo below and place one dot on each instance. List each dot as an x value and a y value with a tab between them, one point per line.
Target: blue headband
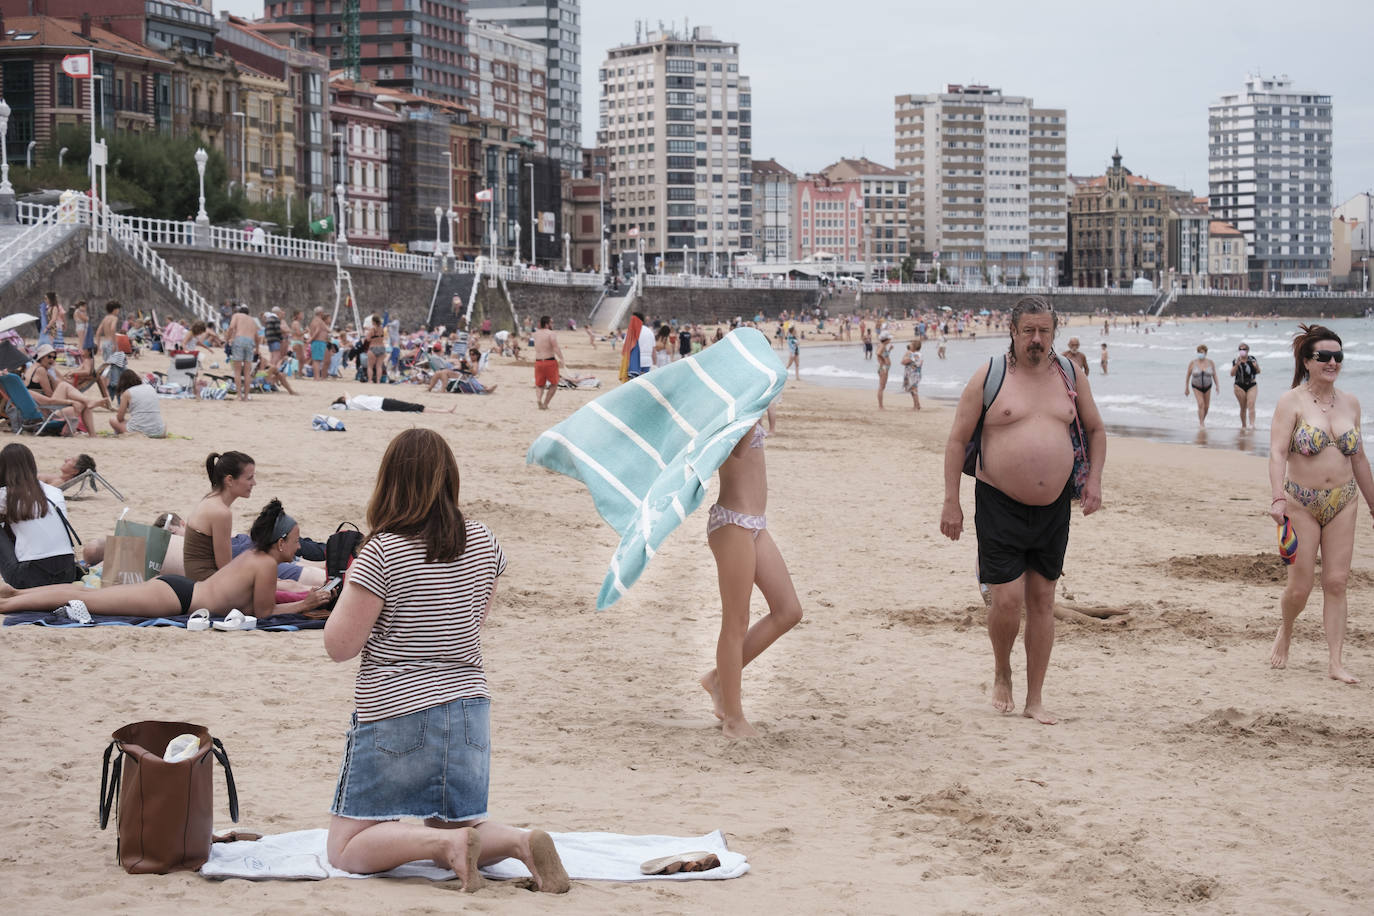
283	526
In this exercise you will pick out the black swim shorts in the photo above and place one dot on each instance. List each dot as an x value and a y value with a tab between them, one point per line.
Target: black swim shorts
1013	536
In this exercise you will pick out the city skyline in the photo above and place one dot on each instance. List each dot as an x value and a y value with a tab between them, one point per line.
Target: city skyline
1062	52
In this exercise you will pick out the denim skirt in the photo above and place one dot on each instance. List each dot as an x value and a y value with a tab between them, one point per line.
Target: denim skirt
434	763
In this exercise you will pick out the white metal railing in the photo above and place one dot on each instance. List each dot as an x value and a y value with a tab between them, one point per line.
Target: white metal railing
46	227
128	235
690	281
516	274
162	231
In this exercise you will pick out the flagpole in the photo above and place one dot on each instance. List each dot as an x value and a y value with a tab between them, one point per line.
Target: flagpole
90	159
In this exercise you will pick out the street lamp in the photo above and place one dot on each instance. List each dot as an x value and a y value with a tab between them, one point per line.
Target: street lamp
601	217
243	150
534	258
202	157
6	189
448	175
567	262
28	155
515	262
60	155
340	236
438	242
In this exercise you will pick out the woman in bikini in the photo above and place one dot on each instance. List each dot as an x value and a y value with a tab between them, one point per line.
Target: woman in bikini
210	526
1201	376
250	581
884	363
376	349
745	556
1316	466
297	337
50	390
1244	368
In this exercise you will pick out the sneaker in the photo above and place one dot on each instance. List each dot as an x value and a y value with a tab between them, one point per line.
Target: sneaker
74	611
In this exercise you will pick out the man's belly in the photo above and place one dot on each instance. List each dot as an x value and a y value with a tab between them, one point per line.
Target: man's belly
1030	462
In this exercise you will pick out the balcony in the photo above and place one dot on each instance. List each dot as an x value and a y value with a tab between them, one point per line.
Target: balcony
211	119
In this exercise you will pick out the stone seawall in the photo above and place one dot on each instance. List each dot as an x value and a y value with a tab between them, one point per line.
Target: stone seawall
75	273
717	306
1119	305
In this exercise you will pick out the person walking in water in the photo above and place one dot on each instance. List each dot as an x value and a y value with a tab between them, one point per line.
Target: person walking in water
1244	369
1023	495
1200	379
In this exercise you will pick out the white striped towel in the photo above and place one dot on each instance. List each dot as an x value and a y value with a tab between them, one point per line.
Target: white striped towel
647	449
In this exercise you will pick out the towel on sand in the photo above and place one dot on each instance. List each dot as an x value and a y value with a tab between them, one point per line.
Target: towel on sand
647	449
280	623
586	857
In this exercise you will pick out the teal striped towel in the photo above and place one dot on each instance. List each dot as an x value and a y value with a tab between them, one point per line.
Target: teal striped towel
647	449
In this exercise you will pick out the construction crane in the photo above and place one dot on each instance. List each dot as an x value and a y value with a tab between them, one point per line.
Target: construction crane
352	40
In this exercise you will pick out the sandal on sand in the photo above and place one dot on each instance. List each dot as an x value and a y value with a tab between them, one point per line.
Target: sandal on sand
199	620
683	861
237	620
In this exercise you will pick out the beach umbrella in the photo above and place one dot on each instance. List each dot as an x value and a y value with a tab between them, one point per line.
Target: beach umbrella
946	308
18	319
984	312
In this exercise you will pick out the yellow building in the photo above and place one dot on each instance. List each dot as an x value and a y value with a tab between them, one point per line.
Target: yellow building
265	128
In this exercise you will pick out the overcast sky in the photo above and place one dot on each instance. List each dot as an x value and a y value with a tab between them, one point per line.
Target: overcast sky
824	72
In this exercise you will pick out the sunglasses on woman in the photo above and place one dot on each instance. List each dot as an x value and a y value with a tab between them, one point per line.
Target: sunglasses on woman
1326	356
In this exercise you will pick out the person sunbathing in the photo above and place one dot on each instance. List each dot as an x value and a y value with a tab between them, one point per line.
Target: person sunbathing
71	467
249	581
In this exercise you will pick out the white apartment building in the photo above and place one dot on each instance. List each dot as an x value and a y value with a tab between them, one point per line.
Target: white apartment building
510	83
989	183
774	187
1269	175
675	120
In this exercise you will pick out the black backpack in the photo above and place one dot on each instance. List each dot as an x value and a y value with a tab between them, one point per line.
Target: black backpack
339	551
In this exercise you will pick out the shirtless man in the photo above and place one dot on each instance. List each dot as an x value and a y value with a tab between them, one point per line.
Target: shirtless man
1080	359
106	336
1022	494
243	347
319	343
548	357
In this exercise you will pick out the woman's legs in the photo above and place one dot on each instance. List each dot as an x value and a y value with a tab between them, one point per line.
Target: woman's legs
119	428
1204	400
1338	544
915	399
146	599
1251	397
368	847
1300	578
65	391
1241	397
533	847
243	375
882	384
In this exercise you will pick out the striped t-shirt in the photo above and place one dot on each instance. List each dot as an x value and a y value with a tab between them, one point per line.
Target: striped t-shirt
425	648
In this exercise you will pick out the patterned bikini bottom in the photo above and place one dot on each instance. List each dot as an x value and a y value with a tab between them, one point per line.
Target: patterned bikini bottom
1323	505
718	517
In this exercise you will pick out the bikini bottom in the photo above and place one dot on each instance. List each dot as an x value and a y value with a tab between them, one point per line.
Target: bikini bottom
1322	505
718	517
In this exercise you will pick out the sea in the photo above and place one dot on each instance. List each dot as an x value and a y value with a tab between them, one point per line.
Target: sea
1143	393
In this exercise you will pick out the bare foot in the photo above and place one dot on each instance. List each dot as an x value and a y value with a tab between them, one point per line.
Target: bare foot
465	848
1278	658
1001	693
541	858
738	728
9	591
1037	712
1340	674
711	684
453	409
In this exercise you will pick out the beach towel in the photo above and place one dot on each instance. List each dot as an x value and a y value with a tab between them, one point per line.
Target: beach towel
586	857
279	623
647	450
631	363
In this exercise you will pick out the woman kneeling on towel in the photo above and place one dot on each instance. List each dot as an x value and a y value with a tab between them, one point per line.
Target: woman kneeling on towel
249	581
413	604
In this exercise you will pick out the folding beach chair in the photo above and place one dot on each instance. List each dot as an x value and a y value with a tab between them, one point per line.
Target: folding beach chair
89	478
33	418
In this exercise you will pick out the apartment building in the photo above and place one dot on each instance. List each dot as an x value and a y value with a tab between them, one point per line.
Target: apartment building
511	85
556	27
417	47
775	191
1269	175
884	199
267	136
1226	260
369	145
989	182
676	118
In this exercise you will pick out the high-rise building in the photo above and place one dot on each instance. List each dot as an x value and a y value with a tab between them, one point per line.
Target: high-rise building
774	189
1269	175
555	25
418	47
676	116
990	190
511	83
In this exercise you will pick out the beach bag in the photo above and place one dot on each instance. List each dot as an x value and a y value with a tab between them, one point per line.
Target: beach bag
134	554
339	551
997	372
1076	434
165	813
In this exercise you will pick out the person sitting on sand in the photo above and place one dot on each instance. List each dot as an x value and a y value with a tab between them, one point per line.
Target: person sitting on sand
413	604
50	391
249	581
210	526
71	467
140	409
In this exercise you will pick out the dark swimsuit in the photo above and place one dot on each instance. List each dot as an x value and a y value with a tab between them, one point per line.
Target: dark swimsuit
183	588
1245	375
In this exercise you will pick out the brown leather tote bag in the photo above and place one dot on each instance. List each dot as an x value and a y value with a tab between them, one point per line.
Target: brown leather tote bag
166	810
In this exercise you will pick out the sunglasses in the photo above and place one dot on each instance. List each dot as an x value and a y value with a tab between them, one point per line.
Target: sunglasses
1326	356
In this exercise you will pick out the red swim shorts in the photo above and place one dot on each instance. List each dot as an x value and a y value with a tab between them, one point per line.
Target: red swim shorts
545	372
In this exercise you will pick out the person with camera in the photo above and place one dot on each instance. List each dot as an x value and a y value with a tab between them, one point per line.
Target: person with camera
1244	369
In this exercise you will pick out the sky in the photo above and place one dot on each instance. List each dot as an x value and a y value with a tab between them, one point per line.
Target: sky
824	73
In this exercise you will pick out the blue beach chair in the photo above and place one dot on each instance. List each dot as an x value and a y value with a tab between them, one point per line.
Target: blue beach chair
34	418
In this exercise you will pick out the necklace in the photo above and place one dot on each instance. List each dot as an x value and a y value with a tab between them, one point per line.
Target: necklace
1330	404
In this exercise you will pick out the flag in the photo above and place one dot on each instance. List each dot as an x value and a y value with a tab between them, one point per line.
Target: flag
322	226
483	196
77	66
634	232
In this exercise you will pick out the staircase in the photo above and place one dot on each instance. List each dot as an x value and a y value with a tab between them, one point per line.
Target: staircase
39	230
612	311
123	232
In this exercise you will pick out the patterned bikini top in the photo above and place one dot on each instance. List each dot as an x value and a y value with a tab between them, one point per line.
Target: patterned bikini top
1309	440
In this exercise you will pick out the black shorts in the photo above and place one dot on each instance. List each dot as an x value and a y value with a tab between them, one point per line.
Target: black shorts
1013	536
183	588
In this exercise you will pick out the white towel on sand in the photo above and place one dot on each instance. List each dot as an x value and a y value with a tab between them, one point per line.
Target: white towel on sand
586	857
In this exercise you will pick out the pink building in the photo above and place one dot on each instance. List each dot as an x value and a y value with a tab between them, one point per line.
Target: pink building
828	218
369	128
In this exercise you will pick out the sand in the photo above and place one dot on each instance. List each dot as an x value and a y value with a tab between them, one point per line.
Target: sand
1184	773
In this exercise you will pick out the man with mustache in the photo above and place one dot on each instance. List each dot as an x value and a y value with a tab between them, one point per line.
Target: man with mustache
1023	494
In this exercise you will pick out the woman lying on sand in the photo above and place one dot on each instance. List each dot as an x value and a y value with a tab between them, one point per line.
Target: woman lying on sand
248	581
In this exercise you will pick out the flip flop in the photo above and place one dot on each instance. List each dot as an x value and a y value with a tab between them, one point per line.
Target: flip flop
199	620
237	620
1288	542
682	861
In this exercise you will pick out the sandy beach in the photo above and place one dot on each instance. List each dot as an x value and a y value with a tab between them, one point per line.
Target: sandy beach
1185	774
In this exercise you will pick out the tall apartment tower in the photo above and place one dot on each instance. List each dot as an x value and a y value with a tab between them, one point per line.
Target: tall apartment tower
555	25
676	117
418	48
1269	175
989	183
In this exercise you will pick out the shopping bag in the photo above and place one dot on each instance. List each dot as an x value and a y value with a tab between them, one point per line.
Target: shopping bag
155	539
126	560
